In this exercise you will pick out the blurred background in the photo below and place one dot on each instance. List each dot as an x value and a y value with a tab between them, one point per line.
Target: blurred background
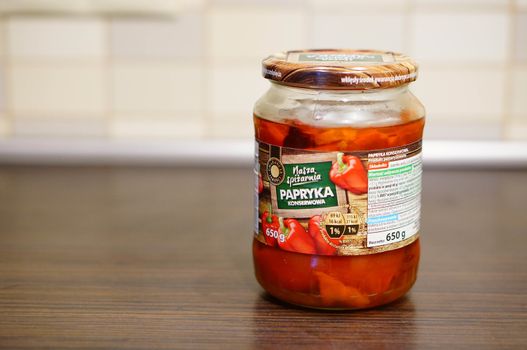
90	80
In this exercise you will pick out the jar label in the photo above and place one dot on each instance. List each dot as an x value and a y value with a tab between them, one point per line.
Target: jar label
337	203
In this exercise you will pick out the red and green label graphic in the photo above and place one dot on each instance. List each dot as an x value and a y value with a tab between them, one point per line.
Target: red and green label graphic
337	203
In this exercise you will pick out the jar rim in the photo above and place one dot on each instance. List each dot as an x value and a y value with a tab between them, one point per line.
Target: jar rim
340	69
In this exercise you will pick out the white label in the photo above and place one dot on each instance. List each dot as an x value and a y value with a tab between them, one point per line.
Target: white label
394	197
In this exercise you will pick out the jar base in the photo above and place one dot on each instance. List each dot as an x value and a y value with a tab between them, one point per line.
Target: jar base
283	300
336	282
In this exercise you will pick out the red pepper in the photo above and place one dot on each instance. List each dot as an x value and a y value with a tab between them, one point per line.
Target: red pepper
334	291
348	173
270	228
296	239
321	237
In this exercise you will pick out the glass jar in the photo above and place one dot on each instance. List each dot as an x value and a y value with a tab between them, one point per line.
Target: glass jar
338	178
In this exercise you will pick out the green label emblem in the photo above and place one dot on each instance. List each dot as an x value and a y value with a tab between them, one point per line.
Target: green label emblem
306	186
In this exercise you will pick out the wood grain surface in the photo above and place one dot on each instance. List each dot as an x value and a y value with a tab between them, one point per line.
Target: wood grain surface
146	258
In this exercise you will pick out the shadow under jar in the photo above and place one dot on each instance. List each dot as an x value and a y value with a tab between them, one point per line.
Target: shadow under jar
338	178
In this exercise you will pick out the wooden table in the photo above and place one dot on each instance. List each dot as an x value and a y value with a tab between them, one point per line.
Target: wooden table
144	258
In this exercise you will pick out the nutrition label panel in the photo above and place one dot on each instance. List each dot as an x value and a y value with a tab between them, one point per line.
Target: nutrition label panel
394	193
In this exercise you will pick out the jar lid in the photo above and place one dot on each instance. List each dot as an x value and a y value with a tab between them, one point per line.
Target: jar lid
340	69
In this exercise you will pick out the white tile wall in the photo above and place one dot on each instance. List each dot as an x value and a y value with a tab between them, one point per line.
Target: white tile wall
337	6
244	33
2	38
516	130
473	3
467	94
56	37
258	3
244	88
151	38
4	127
191	126
520	35
358	30
2	89
54	89
460	37
462	129
232	126
63	127
197	74
521	4
151	88
192	5
519	94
